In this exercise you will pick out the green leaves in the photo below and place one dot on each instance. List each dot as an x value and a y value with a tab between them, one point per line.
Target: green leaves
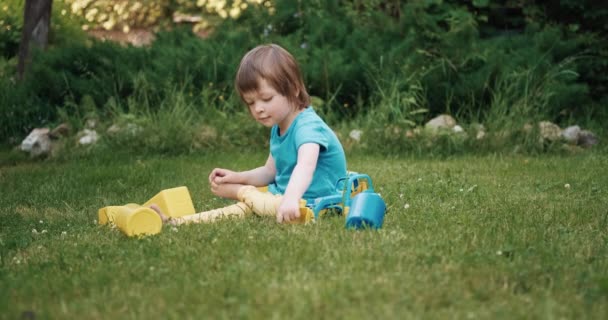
481	3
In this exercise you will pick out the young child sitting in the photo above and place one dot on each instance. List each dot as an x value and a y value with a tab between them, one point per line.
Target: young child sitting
306	158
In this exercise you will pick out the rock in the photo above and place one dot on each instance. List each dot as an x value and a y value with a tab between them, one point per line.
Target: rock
88	137
587	139
457	129
37	143
571	134
481	131
443	121
113	129
133	129
130	129
62	130
356	135
91	123
549	131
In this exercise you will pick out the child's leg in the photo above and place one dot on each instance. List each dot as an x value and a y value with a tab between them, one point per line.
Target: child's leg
238	210
253	200
266	204
261	203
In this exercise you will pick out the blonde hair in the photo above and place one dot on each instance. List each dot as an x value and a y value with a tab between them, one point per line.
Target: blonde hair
280	70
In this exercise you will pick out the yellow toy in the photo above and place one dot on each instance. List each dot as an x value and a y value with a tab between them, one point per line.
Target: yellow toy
354	197
134	220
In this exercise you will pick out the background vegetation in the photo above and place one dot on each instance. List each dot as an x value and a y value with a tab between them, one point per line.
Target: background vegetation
495	235
372	65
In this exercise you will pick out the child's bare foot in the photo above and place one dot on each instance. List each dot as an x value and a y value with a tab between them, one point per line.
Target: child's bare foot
156	209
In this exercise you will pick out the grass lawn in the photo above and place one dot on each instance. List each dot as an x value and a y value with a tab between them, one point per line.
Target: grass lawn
466	237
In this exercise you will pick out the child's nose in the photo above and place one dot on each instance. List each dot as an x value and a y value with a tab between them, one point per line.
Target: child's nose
258	107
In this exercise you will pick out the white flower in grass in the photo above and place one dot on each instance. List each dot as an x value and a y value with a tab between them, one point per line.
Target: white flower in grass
401	196
567	186
41	222
64	233
406	206
34	231
43	231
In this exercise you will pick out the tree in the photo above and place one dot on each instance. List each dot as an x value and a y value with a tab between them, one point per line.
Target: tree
36	25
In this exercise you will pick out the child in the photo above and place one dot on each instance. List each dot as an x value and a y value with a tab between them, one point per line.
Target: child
306	158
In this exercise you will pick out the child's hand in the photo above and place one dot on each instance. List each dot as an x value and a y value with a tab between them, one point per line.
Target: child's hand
289	210
220	176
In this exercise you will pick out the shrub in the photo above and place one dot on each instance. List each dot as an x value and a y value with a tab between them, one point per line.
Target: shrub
375	63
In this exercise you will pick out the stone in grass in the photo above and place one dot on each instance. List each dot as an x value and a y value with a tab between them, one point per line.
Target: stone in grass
443	121
113	129
129	129
549	131
587	139
571	134
87	136
37	143
458	129
62	130
584	138
481	131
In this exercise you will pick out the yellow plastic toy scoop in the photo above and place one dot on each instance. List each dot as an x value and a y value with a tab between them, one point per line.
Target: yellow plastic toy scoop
134	219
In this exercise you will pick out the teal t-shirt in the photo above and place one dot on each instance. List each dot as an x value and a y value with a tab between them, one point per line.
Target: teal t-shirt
307	127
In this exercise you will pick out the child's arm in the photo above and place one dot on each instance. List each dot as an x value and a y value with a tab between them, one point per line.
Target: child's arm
300	180
258	177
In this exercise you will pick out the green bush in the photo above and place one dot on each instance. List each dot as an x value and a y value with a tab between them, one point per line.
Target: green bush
10	27
372	62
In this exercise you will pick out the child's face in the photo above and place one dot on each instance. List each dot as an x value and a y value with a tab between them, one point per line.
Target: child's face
269	107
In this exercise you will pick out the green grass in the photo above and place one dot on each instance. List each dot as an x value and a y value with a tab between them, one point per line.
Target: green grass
483	237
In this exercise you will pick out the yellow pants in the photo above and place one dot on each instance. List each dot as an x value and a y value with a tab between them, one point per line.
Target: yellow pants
251	200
